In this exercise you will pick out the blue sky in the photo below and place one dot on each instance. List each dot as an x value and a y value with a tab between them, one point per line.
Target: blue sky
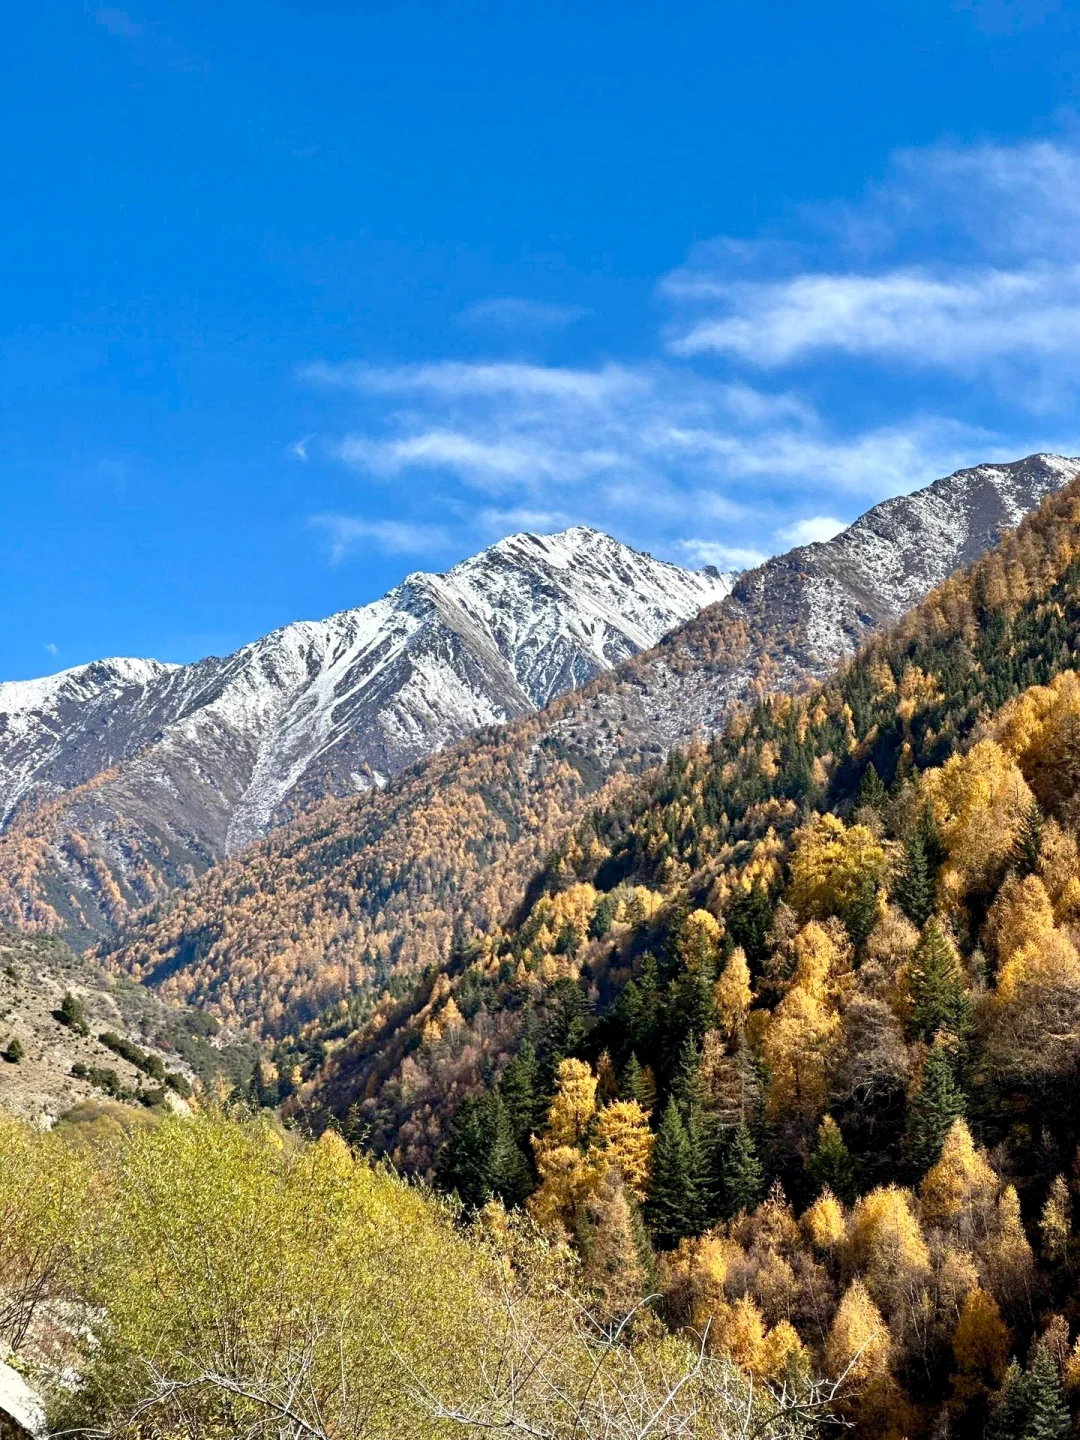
301	297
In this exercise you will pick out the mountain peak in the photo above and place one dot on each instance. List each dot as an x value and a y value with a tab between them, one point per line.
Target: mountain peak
212	753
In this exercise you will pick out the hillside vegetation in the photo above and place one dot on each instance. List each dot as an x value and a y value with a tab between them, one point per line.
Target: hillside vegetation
215	1277
802	1006
70	1035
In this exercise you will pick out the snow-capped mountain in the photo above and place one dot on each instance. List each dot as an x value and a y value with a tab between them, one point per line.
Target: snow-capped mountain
122	780
390	885
212	751
790	621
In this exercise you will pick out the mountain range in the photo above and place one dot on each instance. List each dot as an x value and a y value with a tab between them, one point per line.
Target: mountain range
148	773
363	893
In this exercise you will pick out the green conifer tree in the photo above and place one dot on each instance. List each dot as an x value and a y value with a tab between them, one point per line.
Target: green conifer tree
688	1086
463	1165
872	791
73	1015
1031	1403
668	1204
521	1095
509	1174
1048	1414
631	1085
480	1158
937	1103
1008	1417
1027	849
831	1165
741	1172
914	887
602	917
861	911
938	998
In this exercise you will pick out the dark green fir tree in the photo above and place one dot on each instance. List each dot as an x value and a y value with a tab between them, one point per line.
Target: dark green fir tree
914	887
872	791
741	1173
1031	1404
936	1104
831	1166
668	1206
1048	1414
939	1000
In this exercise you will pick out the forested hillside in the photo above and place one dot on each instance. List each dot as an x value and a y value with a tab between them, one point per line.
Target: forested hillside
802	1006
368	892
123	779
216	1276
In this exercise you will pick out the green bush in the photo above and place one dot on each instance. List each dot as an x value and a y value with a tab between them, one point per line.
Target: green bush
72	1014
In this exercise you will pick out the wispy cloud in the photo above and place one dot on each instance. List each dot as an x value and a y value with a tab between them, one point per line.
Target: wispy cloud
811	530
724	557
963	260
50	648
846	361
635	436
348	534
515	312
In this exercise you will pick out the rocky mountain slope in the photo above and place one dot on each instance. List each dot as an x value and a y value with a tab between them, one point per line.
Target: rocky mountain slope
152	1053
698	833
364	893
134	776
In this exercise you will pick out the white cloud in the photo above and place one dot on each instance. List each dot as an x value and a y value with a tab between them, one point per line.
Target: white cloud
514	312
963	323
504	522
50	648
458	380
963	260
639	435
964	263
724	557
348	534
811	530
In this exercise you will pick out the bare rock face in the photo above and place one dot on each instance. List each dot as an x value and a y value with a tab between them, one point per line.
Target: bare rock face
788	622
22	1415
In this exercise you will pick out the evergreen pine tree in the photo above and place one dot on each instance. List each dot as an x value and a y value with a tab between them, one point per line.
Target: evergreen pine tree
519	1090
1048	1415
937	1103
749	917
509	1173
72	1014
692	1097
741	1172
872	791
861	911
602	917
688	1086
914	888
692	1006
463	1164
830	1166
1027	849
1008	1416
938	998
667	1206
480	1158
1031	1405
631	1086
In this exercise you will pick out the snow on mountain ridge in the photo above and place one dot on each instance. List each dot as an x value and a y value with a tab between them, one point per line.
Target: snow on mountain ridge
498	635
